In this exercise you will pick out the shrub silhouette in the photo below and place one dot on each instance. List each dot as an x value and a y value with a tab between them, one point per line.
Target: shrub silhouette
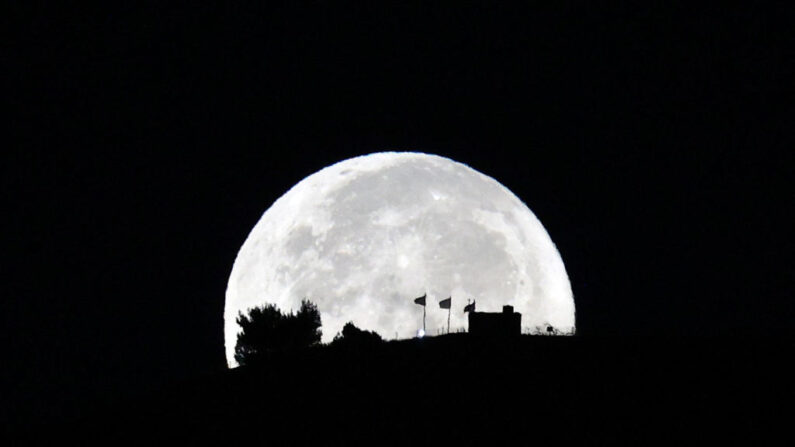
266	330
352	336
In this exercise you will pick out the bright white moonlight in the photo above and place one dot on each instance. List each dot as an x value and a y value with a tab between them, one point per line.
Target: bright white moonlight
364	237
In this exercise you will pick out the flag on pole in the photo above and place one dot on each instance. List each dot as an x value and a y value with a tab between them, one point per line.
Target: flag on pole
469	307
420	300
445	303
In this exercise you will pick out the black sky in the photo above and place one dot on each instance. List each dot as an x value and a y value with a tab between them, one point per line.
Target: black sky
146	142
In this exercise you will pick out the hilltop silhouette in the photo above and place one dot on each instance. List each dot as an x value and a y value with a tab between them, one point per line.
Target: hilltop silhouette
485	387
457	389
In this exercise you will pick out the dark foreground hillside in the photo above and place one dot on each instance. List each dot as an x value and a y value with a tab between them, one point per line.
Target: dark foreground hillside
455	389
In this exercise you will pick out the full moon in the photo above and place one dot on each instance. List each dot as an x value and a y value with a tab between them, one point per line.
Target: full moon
364	237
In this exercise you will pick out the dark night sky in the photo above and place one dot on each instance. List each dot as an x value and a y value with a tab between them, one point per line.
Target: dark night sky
152	139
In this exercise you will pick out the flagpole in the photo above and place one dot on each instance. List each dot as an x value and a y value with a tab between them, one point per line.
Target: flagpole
421	301
448	318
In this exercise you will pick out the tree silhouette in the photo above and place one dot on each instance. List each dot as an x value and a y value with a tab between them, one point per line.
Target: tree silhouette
352	336
266	330
305	326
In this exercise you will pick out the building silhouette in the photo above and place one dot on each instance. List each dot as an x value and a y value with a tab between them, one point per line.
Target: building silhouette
496	324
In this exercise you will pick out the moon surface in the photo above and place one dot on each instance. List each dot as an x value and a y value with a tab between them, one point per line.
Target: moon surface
364	237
